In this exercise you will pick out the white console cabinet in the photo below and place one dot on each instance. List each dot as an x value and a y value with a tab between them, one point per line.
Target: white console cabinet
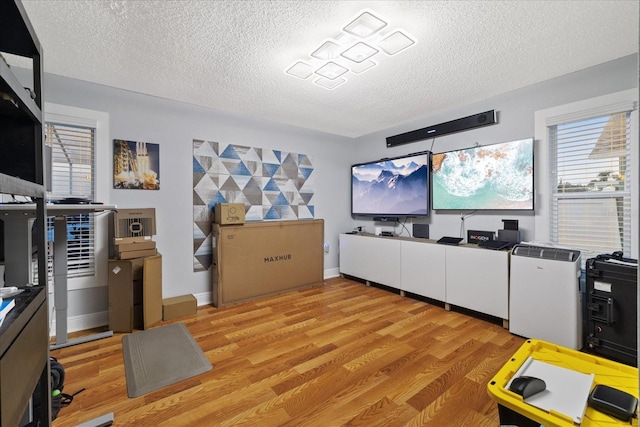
372	258
478	279
464	276
422	270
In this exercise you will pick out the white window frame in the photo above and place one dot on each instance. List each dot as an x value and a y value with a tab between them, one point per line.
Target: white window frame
605	104
98	120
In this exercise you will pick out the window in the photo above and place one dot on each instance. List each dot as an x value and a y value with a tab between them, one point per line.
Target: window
77	137
590	179
72	176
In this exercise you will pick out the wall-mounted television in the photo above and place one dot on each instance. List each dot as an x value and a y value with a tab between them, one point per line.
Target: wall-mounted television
392	187
489	177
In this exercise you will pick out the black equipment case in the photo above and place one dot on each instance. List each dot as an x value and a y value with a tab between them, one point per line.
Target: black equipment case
612	283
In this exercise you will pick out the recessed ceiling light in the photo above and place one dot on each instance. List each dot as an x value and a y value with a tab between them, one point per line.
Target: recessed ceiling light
365	25
331	70
359	52
300	69
330	84
395	42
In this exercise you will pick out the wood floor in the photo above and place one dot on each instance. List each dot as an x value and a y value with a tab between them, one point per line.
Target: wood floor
339	354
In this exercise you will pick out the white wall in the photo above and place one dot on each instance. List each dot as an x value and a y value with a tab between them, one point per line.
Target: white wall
174	125
515	112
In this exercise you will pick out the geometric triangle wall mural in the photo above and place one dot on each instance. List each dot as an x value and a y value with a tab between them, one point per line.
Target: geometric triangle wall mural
272	185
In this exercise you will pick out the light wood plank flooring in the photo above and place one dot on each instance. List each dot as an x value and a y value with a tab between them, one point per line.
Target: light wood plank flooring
339	354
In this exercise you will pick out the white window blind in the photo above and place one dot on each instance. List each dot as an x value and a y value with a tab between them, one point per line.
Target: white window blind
591	182
72	176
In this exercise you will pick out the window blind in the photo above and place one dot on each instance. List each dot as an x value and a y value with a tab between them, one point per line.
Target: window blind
72	176
591	183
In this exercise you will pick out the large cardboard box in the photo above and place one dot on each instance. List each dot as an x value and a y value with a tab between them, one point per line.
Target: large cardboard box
135	293
181	306
135	222
228	213
265	258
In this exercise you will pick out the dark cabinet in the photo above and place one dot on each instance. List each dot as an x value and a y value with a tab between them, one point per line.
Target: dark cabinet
612	292
24	334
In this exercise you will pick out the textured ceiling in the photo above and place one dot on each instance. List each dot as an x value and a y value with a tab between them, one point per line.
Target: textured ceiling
231	55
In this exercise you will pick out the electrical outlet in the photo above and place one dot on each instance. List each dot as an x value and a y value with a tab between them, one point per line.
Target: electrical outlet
326	247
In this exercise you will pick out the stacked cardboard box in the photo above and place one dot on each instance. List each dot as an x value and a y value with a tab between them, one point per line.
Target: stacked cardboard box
133	247
264	258
135	293
229	213
133	231
135	272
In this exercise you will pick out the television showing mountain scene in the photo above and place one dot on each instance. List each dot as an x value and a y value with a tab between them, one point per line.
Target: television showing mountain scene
490	177
397	186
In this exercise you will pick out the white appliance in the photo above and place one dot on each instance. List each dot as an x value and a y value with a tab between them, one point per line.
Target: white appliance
544	295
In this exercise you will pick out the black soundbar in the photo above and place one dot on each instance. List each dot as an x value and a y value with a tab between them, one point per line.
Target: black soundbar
471	122
386	218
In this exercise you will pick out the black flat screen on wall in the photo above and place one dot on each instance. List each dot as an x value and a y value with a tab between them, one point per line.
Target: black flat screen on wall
397	186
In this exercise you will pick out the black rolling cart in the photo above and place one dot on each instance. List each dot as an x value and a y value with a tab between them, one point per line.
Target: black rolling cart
612	286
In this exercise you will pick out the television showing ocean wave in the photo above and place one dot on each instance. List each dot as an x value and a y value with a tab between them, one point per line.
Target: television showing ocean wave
491	177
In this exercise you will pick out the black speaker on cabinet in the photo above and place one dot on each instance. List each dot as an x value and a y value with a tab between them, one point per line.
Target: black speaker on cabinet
466	123
511	236
510	224
421	230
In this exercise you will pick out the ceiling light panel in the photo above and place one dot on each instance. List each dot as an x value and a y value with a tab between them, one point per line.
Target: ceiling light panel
363	66
330	84
351	50
331	70
365	25
300	69
395	43
328	50
359	52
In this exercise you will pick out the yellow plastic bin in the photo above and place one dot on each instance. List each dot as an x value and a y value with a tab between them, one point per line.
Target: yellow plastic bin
514	411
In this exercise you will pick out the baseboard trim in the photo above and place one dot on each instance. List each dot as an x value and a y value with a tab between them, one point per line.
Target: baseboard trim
82	322
331	273
96	320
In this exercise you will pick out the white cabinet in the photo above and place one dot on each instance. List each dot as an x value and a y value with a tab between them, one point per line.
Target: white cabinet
422	269
464	276
478	279
376	259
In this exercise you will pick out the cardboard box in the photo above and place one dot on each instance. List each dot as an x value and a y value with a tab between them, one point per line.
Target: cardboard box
135	293
228	213
184	305
127	240
265	258
135	249
136	254
135	222
135	246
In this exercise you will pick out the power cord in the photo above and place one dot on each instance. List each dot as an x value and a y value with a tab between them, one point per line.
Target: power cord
432	142
404	227
462	218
